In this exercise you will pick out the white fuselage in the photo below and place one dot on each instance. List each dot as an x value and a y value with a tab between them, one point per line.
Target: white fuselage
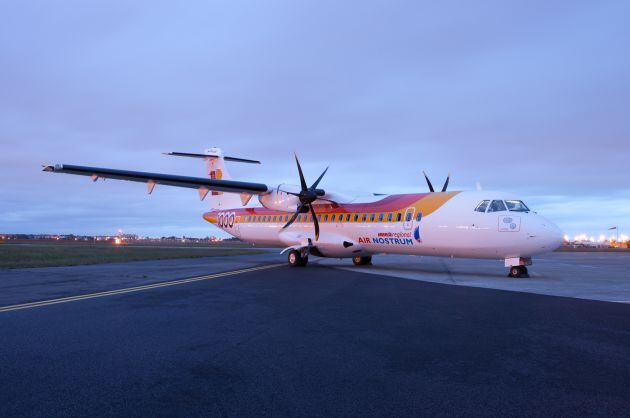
453	229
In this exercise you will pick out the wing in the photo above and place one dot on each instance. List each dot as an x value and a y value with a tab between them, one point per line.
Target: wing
199	183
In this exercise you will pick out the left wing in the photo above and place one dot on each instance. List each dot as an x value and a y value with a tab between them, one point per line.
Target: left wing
203	185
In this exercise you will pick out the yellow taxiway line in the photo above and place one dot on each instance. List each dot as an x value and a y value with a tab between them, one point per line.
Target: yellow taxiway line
132	289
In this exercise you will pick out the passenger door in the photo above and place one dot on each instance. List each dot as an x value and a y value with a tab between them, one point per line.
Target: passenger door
408	218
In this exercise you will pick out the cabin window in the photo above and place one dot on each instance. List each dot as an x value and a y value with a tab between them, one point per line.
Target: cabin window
497	206
408	216
481	207
348	218
380	217
372	217
332	218
398	217
516	206
356	217
389	217
364	217
319	217
418	216
325	218
275	218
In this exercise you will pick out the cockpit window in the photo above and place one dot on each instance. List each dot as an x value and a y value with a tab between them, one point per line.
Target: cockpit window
497	206
481	207
516	206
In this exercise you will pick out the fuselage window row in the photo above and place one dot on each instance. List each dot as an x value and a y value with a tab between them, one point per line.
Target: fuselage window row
365	217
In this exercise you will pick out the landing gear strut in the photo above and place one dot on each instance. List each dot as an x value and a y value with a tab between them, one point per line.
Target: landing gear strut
296	260
362	260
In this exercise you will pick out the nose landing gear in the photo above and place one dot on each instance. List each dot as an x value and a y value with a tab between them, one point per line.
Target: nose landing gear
518	271
518	266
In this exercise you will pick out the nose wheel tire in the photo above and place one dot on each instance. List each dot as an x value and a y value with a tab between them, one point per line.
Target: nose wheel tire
296	260
518	271
362	261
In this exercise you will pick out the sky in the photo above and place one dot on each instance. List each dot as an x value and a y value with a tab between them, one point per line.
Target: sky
530	97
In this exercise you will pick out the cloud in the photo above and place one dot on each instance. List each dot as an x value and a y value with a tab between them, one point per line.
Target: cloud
529	97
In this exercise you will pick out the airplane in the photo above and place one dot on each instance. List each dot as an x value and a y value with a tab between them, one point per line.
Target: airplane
308	220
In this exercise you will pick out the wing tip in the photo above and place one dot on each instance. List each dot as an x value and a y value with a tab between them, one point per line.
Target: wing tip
52	168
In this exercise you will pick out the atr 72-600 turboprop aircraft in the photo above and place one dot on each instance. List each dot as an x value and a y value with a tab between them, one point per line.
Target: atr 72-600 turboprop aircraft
309	220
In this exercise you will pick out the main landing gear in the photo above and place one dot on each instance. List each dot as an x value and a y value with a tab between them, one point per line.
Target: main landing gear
296	259
362	261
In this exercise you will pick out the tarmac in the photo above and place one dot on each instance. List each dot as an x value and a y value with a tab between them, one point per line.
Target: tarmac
586	275
247	335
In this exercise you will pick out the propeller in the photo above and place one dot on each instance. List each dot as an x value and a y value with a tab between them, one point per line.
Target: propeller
307	196
431	186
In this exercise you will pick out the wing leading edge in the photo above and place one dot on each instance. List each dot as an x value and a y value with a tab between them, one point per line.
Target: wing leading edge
203	185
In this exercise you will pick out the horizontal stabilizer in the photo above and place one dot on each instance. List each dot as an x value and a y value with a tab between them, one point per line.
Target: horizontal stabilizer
192	155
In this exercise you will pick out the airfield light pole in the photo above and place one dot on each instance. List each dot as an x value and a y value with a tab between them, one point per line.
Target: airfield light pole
616	228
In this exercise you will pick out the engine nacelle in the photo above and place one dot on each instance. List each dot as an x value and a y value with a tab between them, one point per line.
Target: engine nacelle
279	199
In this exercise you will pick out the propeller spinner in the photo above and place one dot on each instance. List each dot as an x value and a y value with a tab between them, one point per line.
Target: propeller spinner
307	196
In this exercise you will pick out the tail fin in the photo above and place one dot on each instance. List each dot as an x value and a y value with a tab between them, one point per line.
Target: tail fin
215	169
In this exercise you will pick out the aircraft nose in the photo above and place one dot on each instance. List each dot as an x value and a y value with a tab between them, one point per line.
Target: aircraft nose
551	234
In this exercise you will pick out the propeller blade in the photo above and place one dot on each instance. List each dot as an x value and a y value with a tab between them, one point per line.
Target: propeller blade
446	183
315	221
314	186
295	215
428	182
302	181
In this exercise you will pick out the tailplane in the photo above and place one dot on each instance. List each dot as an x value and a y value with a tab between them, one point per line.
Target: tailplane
215	169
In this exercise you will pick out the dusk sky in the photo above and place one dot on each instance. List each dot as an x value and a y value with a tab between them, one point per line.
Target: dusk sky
530	97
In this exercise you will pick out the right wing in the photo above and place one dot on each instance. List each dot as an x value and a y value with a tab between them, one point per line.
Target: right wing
199	183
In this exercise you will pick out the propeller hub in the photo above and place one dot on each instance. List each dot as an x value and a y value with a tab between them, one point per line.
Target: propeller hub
307	196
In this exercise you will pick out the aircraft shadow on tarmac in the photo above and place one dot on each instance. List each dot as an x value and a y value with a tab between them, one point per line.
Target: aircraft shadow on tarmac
442	270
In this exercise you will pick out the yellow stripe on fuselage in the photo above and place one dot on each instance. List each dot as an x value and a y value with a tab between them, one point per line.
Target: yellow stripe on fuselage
432	202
